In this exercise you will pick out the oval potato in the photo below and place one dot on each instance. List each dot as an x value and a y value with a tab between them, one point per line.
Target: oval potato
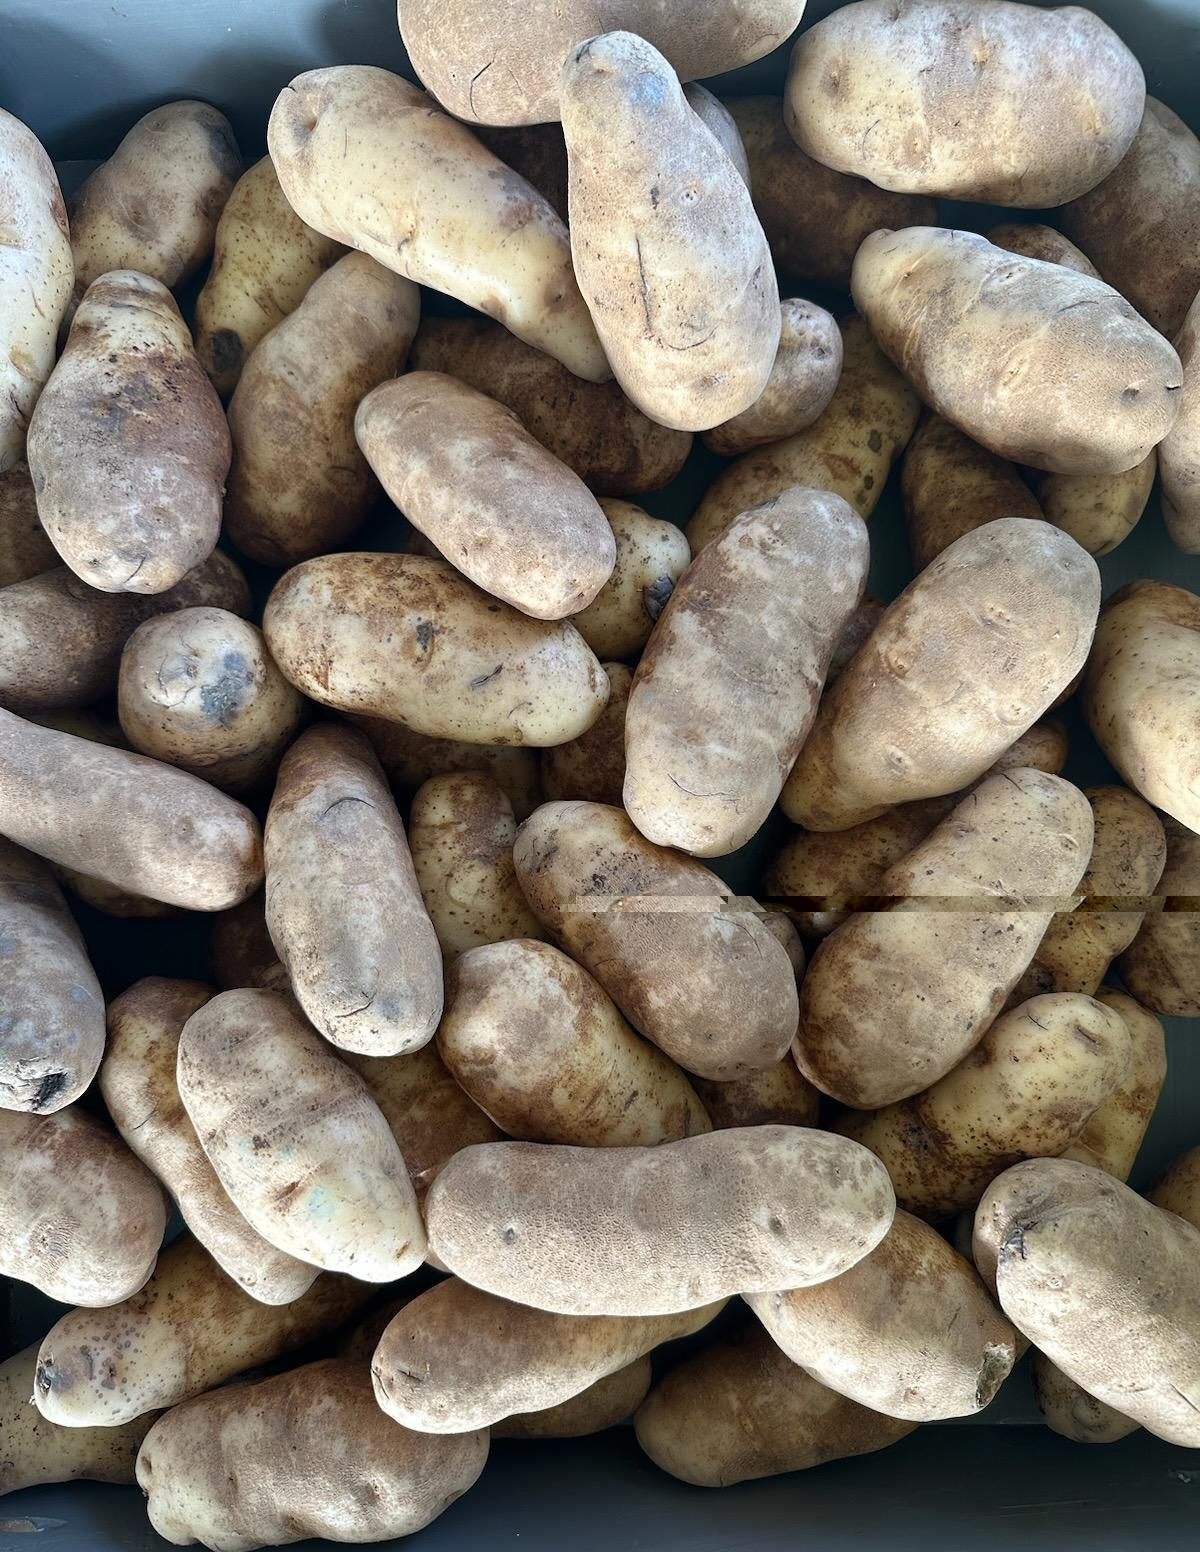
1113	1135
1177	1189
1099	511
776	1096
1070	1411
591	768
409	759
1036	241
652	555
807	366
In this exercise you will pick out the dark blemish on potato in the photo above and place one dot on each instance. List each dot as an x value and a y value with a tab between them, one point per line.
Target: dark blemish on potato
222	700
874	441
49	1088
225	350
424	634
222	147
509	1235
482	679
656	595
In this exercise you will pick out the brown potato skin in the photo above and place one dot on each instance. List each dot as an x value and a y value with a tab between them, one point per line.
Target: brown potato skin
25	548
1036	241
1113	1135
1177	1189
409	759
538	153
241	951
591	768
1070	1411
1099	511
610	1401
1179	452
1161	967
652	555
776	1096
807	366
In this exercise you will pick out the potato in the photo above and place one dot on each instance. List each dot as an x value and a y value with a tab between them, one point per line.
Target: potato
1005	104
610	1401
1113	1135
242	952
1028	1089
539	1046
407	638
1070	1411
498	63
742	650
902	722
25	548
128	446
1105	1283
855	631
951	485
189	1329
80	1218
592	766
807	366
910	1331
365	157
343	905
264	261
703	980
652	555
538	153
302	1454
848	450
1161	967
776	1096
456	1358
296	1139
154	205
35	279
409	759
741	1410
1039	363
591	427
650	1231
878	1019
1179	453
137	1080
1041	242
1177	1189
1142	690
718	120
1097	510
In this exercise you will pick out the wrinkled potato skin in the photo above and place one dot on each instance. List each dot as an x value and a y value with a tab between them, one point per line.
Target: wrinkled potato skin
409	759
406	637
1003	104
365	157
742	1410
776	1096
1037	362
241	950
718	120
610	1401
681	286
1161	967
264	261
745	1210
848	450
651	556
1070	1411
807	366
895	728
25	548
306	1453
538	153
1179	452
1177	1189
708	985
137	1080
80	1218
1041	242
591	768
1113	1134
1098	510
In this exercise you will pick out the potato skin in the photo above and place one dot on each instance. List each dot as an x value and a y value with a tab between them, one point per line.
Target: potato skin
1177	1189
869	750
128	446
1179	453
80	1218
807	366
718	120
406	638
343	905
409	759
776	1096
1098	510
538	153
1039	363
705	983
1113	1135
592	767
699	1231
25	548
306	1453
651	556
741	649
610	1401
680	286
1161	967
1004	104
1041	242
1070	1411
241	950
452	216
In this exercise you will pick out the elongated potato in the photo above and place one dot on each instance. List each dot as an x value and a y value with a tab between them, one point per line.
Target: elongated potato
902	722
776	1096
300	388
25	548
1041	242
742	649
910	1331
187	1330
1070	1411
697	975
304	1454
652	555
449	661
1177	1189
1098	510
1027	1090
878	1019
36	275
137	1080
742	1410
80	1218
1179	453
745	1210
718	120
296	1139
128	446
1039	363
609	1401
264	260
241	950
681	286
848	450
1161	967
456	1358
807	366
1113	1134
409	759
447	214
591	768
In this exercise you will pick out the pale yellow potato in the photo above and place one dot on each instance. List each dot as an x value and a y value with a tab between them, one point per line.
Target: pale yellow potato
264	260
1179	452
847	450
1041	364
1113	1134
406	638
25	548
409	759
1070	1411
742	1410
241	950
1036	241
718	120
1161	967
306	1453
1177	1189
296	1140
651	556
1098	510
807	366
741	650
856	630
80	1218
591	768
608	1402
698	974
879	1017
678	280
36	275
365	157
989	101
128	446
137	1080
776	1096
910	1331
651	1231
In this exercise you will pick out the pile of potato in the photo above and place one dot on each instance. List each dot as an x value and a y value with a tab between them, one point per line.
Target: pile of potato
476	1003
